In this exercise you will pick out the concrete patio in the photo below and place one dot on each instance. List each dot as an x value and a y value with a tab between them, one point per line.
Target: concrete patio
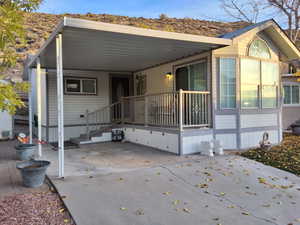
109	157
117	183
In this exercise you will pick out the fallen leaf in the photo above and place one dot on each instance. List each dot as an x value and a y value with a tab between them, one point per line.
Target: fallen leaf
245	213
167	193
140	212
66	221
186	210
201	185
222	193
61	210
123	208
176	202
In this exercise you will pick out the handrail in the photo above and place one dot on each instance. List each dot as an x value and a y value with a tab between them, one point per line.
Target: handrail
181	109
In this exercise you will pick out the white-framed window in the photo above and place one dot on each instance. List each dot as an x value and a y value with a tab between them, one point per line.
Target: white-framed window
227	68
259	48
291	94
80	86
257	77
250	81
192	76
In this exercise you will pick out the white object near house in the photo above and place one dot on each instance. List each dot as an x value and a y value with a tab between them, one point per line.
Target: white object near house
6	123
217	147
6	126
207	148
165	90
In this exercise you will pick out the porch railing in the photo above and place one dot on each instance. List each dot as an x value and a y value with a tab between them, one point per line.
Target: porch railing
179	109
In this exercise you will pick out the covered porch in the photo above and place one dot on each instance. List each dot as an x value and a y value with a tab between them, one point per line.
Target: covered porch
80	45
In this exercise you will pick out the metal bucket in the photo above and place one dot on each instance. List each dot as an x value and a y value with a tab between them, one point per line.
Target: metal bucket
25	151
33	172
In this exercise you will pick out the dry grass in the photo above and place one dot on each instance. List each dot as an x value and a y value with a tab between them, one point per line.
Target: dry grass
285	156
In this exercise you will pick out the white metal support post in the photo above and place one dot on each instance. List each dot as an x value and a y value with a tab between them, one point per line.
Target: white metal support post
39	104
30	105
60	104
180	121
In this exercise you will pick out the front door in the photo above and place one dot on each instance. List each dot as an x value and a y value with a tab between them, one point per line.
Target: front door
120	87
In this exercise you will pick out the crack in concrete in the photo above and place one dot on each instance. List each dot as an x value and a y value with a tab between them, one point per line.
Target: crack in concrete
217	196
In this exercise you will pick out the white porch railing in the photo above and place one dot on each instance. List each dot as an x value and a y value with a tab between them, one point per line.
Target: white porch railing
179	109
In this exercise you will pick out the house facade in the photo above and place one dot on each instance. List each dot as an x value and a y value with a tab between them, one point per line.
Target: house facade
165	90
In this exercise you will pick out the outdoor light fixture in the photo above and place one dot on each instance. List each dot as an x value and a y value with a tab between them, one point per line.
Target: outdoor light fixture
169	75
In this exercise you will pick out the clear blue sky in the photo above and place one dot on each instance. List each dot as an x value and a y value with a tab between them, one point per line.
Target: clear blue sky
203	9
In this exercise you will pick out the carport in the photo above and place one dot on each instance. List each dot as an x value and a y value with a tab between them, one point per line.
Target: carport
87	45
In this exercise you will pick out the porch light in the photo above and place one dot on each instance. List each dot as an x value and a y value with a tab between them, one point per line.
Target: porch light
169	76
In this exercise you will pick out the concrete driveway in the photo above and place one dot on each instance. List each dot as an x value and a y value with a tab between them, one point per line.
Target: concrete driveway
225	190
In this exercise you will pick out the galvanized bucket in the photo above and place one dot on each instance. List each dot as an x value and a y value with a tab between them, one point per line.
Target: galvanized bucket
25	151
33	172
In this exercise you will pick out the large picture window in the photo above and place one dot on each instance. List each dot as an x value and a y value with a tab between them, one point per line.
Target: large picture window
291	94
259	77
80	86
270	81
227	83
250	81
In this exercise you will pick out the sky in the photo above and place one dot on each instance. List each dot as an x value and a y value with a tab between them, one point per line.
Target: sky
201	9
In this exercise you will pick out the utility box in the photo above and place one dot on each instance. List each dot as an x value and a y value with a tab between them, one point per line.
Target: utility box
6	126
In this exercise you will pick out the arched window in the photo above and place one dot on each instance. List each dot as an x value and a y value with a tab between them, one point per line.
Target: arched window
258	48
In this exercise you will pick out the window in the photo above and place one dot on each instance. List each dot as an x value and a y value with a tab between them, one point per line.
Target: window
250	81
258	48
192	77
291	94
227	83
141	84
270	81
259	77
80	86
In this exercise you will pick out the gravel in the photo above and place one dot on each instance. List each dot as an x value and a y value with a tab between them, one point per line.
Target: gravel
44	208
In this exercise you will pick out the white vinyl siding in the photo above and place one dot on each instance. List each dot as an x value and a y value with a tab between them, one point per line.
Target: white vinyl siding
76	105
227	83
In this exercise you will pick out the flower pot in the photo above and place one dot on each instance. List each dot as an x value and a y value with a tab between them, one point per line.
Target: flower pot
33	172
25	151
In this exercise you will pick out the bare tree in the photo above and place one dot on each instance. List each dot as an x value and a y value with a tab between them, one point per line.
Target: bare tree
254	10
291	10
245	10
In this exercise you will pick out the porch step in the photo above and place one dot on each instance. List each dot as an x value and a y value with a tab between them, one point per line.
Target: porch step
105	137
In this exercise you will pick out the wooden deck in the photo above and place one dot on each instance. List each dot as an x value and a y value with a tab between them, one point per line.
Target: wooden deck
10	179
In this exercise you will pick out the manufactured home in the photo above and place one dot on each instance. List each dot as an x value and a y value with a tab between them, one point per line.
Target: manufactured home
166	90
291	87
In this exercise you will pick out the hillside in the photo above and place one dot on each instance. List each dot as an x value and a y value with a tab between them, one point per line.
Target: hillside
40	26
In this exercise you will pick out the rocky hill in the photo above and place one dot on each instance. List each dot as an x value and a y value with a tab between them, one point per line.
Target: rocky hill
40	25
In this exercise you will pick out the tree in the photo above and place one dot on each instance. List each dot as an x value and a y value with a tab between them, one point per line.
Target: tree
244	10
252	10
12	33
291	10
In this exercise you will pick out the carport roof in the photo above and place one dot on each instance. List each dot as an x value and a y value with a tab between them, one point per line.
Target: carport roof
90	45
